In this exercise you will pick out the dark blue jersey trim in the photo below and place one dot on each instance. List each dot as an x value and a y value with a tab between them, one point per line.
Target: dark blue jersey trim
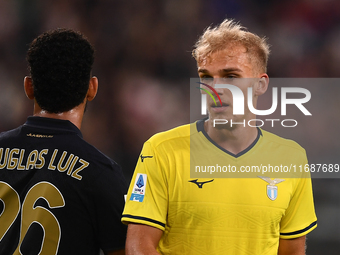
143	218
200	128
299	231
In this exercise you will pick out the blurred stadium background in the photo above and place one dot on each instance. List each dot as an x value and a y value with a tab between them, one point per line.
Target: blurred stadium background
144	64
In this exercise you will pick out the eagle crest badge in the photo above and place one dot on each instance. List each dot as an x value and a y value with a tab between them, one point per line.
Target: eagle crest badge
272	189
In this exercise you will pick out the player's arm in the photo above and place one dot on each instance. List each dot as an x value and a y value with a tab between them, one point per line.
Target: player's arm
142	239
296	246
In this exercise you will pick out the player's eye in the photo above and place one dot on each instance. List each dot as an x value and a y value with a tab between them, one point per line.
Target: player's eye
230	77
206	79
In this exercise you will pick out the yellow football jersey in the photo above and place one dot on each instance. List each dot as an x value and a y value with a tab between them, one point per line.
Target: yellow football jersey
214	215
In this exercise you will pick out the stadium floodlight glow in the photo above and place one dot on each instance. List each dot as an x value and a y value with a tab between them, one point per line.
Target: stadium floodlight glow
238	100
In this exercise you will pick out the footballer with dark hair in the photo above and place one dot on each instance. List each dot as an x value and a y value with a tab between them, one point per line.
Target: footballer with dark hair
60	195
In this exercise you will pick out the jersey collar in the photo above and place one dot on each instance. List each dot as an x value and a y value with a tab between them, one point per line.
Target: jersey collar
200	128
54	124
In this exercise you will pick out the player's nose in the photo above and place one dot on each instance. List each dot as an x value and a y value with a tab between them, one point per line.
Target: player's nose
218	80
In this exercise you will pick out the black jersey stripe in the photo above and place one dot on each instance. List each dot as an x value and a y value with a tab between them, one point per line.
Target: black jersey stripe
143	218
299	231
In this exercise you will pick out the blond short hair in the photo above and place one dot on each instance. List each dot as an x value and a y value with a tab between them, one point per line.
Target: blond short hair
230	33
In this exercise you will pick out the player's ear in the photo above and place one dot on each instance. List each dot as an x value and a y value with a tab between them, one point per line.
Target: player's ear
28	87
93	88
262	85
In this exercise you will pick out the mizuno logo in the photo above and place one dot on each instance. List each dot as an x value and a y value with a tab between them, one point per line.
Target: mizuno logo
200	184
144	157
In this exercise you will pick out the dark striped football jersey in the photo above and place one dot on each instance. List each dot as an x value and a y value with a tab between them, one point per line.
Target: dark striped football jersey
58	193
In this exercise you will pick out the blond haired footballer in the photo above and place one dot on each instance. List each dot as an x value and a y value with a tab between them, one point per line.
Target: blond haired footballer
168	212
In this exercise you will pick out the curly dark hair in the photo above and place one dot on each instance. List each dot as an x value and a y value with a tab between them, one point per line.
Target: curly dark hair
60	63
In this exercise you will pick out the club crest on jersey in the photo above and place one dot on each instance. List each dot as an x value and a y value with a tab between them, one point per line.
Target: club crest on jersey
272	189
138	190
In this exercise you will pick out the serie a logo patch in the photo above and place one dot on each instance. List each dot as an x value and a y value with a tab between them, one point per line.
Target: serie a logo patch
138	191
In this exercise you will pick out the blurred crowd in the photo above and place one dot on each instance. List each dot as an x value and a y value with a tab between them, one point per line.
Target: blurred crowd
143	57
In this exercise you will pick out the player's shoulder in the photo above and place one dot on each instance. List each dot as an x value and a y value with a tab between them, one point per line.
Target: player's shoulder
94	154
173	135
280	141
10	133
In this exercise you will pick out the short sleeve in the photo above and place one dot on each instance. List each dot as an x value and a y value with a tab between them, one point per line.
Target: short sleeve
147	198
300	218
